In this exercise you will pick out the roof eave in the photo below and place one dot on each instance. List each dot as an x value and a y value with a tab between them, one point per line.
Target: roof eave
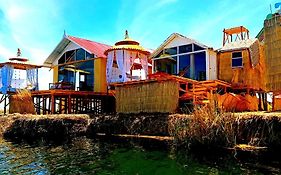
55	53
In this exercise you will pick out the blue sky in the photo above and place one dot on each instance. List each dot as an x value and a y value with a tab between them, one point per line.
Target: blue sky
36	26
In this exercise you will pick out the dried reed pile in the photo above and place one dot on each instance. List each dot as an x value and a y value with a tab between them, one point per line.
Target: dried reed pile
209	128
149	97
206	126
21	102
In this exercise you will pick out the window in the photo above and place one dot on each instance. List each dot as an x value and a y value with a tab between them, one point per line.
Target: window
184	66
196	47
80	54
237	59
70	56
89	56
171	51
185	48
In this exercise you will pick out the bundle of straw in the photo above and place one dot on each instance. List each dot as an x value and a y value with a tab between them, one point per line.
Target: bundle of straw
21	102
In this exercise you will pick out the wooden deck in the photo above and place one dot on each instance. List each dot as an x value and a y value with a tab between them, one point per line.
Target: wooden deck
72	102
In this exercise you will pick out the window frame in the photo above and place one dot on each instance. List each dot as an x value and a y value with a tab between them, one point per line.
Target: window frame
236	58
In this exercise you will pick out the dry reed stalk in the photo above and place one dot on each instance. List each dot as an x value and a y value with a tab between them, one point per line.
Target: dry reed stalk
148	97
21	102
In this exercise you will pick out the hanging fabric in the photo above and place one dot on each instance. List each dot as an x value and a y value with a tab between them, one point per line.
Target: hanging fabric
7	75
128	63
109	64
120	64
144	64
32	77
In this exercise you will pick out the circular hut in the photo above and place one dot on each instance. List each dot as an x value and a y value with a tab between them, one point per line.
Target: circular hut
127	61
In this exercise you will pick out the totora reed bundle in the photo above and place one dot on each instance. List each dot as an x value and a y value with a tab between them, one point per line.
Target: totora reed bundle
21	102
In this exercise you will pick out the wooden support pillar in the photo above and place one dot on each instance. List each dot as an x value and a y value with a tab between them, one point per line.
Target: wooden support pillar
273	101
53	104
265	102
69	105
193	89
44	105
5	104
60	104
49	105
38	105
260	104
76	105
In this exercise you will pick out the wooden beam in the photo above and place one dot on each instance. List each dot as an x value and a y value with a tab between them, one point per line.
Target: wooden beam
75	62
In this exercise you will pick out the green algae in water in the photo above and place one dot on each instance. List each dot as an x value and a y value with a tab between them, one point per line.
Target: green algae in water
86	156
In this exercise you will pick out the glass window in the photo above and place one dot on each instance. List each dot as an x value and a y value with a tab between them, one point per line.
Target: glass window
70	56
171	51
184	66
86	69
237	59
89	56
185	48
62	59
196	47
80	54
200	66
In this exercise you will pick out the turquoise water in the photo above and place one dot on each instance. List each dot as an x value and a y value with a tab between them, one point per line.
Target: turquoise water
89	156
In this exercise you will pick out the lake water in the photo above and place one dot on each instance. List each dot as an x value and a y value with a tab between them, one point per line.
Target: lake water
96	156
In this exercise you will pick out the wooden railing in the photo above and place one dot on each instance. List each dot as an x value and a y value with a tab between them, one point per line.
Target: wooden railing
62	85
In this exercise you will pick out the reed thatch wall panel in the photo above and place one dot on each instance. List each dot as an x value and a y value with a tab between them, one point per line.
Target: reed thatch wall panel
249	76
148	97
272	31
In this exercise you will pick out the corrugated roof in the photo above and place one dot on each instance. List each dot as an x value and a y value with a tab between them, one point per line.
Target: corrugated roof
92	47
237	45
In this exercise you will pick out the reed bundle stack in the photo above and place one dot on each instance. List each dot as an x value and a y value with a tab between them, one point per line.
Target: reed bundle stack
272	30
21	102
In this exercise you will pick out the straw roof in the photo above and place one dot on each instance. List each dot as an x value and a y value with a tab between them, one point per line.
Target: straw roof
128	44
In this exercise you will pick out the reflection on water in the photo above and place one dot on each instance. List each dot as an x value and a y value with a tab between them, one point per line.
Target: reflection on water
88	156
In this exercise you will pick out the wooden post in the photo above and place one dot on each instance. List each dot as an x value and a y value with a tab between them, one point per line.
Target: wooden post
44	105
53	104
273	101
49	105
38	104
265	102
69	105
5	104
60	104
260	106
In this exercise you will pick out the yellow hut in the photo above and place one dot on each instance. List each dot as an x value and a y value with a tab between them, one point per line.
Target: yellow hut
241	60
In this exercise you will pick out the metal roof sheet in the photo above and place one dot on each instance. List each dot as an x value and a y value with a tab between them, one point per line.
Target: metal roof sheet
92	47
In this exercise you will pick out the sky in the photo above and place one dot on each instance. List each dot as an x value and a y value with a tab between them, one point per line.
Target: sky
37	26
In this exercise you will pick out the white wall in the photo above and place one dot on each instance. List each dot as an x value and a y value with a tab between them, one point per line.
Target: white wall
178	41
45	77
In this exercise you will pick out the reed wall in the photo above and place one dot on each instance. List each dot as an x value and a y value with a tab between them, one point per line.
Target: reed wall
148	97
272	31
